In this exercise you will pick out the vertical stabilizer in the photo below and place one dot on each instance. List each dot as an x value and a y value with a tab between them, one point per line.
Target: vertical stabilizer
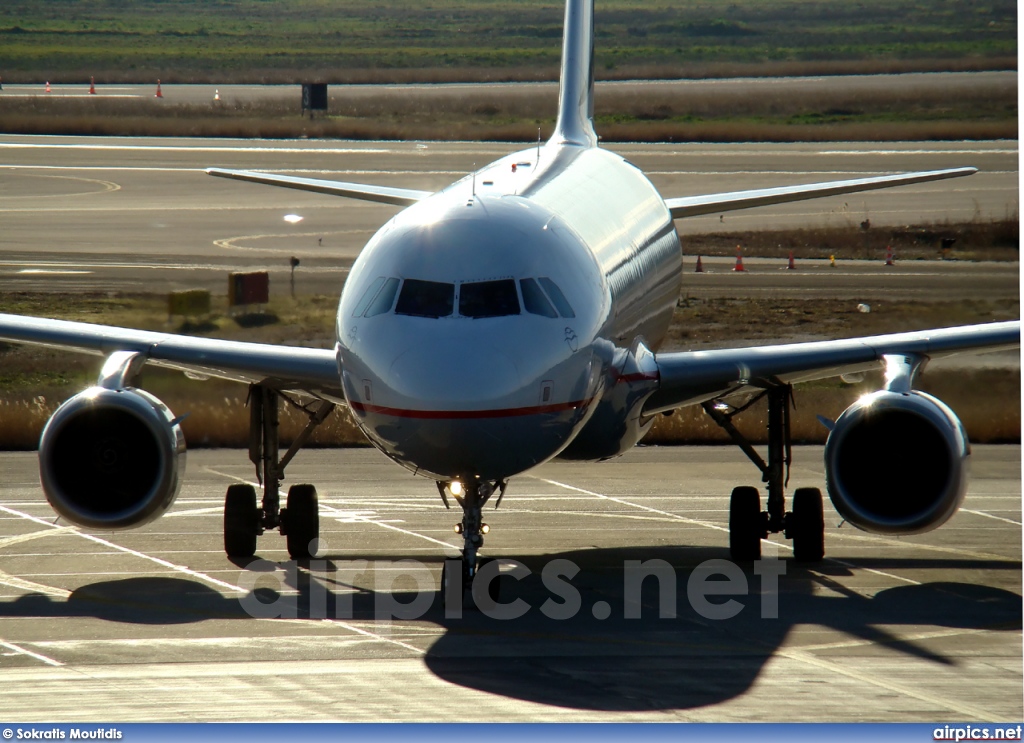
576	92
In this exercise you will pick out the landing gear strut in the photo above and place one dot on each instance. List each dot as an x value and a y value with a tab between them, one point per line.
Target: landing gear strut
748	524
299	520
471	497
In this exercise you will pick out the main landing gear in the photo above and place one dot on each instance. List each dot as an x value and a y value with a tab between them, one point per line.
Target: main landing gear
748	524
458	576
299	520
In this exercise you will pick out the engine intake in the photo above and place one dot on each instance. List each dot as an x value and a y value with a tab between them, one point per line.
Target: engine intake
896	463
111	458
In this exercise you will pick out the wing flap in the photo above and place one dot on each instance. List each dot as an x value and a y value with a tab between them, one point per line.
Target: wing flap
692	377
311	370
380	194
692	206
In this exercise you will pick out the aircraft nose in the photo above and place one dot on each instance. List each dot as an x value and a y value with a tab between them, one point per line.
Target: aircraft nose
462	410
448	376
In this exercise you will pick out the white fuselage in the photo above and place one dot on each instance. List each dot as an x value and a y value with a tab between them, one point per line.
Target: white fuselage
454	364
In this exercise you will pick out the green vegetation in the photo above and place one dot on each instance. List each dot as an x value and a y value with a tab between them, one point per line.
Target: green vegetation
377	40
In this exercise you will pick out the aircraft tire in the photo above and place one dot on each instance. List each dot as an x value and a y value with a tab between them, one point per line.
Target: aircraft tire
745	524
301	518
241	521
494	587
808	530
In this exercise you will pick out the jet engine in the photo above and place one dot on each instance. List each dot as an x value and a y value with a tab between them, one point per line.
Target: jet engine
111	458
896	463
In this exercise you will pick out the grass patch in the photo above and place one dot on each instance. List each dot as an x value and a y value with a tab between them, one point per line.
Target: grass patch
979	240
963	109
388	40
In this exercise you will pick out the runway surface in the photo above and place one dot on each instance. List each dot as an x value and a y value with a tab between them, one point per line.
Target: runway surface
156	624
101	214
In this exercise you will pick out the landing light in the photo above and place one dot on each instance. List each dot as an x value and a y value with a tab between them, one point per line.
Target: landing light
455	488
292	218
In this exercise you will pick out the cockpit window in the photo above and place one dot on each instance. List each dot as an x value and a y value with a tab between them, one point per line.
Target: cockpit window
368	296
564	308
534	300
384	299
488	299
426	299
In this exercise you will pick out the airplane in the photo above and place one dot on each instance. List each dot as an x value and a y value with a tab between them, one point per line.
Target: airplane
508	319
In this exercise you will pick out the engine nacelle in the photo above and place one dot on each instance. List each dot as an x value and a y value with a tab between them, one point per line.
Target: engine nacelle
111	459
896	463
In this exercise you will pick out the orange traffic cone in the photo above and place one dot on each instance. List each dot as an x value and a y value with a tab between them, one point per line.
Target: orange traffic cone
159	92
700	266
47	86
792	265
739	260
890	259
92	86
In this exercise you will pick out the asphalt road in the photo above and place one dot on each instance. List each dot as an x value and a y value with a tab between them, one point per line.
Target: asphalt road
88	214
156	624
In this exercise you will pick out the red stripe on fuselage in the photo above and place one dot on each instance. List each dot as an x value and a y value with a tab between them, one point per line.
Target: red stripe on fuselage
470	414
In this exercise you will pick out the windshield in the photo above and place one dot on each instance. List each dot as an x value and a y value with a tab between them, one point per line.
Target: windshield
426	299
488	299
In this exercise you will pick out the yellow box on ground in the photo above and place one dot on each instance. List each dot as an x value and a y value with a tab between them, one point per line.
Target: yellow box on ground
190	303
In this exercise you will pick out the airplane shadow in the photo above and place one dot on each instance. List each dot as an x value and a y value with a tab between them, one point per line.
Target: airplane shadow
650	662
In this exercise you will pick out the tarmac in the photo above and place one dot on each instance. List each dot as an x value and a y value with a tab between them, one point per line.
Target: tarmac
157	624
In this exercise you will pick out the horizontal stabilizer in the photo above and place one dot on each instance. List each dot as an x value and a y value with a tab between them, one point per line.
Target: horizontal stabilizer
693	206
381	194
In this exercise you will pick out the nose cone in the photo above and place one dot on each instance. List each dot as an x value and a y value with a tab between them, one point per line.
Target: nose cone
456	410
453	376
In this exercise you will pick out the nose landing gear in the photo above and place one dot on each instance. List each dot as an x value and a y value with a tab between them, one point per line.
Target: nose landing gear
463	573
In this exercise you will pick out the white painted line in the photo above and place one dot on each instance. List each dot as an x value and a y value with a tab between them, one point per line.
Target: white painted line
990	516
22	538
194	512
98	540
22	651
674	516
191	148
32	587
844	669
348	516
195	574
718	527
169	169
51	272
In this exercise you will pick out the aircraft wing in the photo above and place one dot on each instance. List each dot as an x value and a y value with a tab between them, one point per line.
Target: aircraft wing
692	206
691	377
311	370
381	194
